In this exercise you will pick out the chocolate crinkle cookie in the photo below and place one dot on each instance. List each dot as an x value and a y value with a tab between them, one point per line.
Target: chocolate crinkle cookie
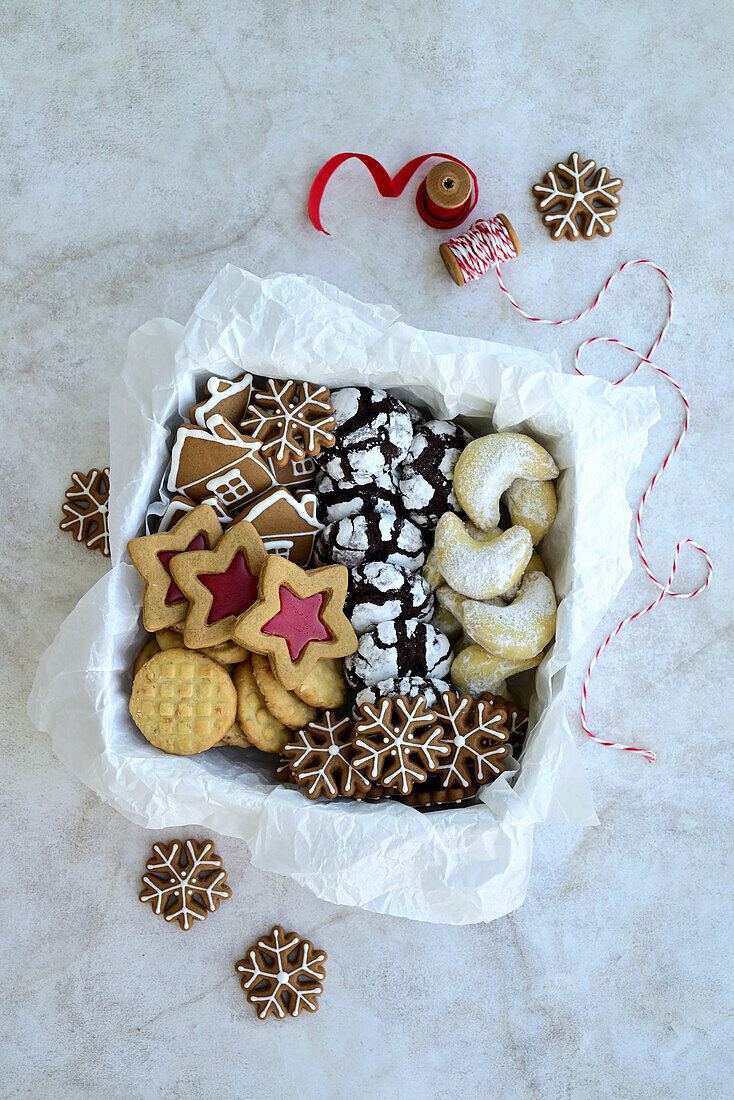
410	686
427	475
379	591
337	499
373	434
377	537
391	651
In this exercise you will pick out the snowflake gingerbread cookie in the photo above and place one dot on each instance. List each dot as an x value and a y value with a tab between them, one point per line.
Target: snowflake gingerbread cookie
577	200
400	742
476	733
185	882
320	759
290	419
85	509
282	974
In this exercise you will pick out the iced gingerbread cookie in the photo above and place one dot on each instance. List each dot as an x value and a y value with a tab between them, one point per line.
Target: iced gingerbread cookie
477	569
337	499
286	522
475	671
532	504
409	686
379	592
227	397
373	434
396	649
217	461
399	742
514	631
320	759
291	420
427	474
488	467
376	537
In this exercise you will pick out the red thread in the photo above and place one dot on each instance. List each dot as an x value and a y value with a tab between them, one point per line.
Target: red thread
390	187
488	244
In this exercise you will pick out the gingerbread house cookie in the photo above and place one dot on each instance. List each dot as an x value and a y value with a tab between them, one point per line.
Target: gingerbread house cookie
285	522
217	460
229	398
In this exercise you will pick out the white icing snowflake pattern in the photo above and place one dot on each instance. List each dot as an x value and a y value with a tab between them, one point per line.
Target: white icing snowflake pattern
574	202
185	882
292	420
477	736
401	741
320	758
282	974
85	509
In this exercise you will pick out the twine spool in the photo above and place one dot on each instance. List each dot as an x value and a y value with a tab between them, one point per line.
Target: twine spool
487	244
444	198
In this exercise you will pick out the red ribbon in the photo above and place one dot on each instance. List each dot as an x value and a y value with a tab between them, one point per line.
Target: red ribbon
390	187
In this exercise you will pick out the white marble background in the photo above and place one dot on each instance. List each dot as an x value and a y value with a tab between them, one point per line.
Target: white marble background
144	145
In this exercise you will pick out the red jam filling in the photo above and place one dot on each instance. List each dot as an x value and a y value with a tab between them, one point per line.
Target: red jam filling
174	593
298	621
234	590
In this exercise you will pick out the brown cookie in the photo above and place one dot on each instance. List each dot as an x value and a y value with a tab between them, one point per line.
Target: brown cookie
163	602
217	460
85	509
320	758
476	732
400	742
283	705
298	619
220	584
282	974
291	419
577	200
227	397
285	522
185	881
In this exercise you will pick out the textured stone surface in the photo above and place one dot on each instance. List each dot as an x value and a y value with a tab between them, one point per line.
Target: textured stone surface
145	145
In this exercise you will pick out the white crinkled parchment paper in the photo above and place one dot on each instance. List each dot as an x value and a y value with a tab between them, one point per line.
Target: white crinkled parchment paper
455	866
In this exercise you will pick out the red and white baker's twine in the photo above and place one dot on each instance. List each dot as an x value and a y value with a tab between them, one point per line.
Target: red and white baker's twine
488	244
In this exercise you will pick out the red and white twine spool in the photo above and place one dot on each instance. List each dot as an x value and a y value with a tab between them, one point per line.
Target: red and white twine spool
488	244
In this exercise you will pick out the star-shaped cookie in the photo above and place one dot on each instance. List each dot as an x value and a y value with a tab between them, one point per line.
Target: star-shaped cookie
298	618
219	584
164	604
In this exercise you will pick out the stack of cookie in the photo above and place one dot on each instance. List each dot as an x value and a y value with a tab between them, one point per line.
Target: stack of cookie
418	578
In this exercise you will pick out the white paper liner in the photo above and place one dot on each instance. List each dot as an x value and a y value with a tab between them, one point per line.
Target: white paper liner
454	866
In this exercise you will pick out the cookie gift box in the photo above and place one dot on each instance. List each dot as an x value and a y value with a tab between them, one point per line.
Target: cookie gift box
460	865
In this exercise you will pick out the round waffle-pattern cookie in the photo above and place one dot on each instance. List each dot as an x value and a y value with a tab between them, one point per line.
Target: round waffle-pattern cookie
373	434
376	537
427	475
379	591
406	685
396	649
337	499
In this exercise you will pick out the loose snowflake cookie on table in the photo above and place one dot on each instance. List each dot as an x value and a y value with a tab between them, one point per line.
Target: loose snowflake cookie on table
185	881
85	509
576	200
290	419
282	974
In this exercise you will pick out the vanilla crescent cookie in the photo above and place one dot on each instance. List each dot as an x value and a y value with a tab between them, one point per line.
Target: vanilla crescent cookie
487	468
477	569
475	671
518	630
532	504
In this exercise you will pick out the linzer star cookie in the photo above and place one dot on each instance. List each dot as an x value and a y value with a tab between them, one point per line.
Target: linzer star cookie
290	419
286	522
220	584
85	509
400	742
163	601
282	974
476	733
320	759
228	398
298	619
217	460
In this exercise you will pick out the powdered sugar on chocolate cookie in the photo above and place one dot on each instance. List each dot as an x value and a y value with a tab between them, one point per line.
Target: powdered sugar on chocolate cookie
337	499
373	434
396	649
356	539
380	592
427	475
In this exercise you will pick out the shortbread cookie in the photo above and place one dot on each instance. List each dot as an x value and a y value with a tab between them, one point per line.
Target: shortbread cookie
480	569
519	630
392	650
259	726
220	584
532	504
427	474
291	420
283	705
182	702
376	537
298	618
325	687
235	736
337	499
150	648
489	465
446	623
475	671
373	434
399	742
163	601
320	759
409	686
379	592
